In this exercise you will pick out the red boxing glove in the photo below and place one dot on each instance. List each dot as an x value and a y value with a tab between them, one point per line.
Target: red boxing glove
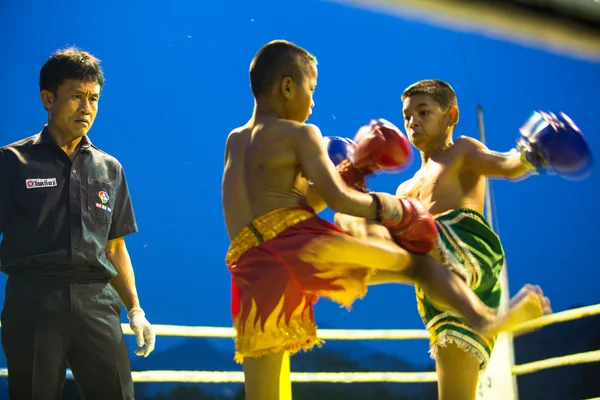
379	146
410	224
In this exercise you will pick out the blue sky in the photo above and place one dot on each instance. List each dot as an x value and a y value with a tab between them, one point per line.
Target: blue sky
177	83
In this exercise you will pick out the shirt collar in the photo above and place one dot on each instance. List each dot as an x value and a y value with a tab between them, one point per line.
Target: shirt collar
44	137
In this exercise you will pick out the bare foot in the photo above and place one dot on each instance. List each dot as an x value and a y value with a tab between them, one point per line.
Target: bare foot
532	288
545	301
345	249
528	304
546	308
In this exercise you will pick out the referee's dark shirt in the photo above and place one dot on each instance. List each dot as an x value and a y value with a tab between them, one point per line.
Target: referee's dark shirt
56	215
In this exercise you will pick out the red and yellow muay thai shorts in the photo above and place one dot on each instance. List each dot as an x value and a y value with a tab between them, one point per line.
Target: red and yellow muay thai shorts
273	291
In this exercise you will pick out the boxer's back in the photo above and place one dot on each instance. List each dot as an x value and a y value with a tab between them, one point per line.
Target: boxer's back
262	172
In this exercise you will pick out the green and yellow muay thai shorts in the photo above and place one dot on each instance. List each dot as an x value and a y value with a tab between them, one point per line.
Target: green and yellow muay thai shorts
469	247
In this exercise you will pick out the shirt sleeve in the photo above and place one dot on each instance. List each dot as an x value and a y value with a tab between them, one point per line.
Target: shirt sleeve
123	218
4	191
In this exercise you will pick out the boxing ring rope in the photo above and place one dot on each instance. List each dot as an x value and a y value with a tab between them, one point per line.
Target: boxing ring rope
366	334
354	334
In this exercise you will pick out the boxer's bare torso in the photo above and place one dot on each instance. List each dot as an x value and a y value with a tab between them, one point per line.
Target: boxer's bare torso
268	163
262	171
444	183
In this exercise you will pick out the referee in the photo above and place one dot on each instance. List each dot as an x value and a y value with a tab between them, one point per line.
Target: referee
64	212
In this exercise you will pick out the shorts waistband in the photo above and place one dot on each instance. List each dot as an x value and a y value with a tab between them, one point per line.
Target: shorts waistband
264	228
469	211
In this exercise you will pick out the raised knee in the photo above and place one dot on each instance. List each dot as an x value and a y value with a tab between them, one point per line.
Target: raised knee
413	271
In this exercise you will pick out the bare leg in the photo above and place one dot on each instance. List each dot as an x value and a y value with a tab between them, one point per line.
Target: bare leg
448	291
458	374
268	377
345	251
440	285
443	287
386	277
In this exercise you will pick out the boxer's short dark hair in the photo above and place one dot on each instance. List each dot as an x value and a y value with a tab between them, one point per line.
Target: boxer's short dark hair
439	90
70	63
277	60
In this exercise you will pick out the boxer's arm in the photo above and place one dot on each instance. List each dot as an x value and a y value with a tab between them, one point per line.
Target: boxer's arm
124	282
307	141
479	159
315	200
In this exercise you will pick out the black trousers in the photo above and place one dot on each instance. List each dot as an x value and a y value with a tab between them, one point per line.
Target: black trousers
51	323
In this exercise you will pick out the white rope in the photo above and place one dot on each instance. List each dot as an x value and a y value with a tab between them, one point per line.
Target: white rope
576	313
331	377
238	376
341	377
329	334
365	334
573	359
187	331
362	334
357	334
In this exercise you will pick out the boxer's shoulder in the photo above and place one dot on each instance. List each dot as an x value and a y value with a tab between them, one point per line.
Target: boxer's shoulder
239	131
299	133
234	138
297	128
464	145
274	133
454	155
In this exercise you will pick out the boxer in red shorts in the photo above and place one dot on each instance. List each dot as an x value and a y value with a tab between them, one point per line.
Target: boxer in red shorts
277	175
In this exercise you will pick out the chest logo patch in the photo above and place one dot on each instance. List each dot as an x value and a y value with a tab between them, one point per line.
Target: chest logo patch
103	197
40	183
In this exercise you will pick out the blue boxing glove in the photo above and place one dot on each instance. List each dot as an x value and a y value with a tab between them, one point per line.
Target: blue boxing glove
339	148
554	145
341	152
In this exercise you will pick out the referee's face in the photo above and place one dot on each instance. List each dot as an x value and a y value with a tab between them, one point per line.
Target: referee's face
72	108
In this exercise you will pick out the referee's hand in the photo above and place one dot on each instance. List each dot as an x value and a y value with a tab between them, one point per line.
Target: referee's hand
144	334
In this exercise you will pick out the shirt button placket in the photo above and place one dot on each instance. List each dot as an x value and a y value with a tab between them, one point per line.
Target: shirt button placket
75	211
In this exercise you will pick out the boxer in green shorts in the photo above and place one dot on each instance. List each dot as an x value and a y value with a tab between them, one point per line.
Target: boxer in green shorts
468	246
451	185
